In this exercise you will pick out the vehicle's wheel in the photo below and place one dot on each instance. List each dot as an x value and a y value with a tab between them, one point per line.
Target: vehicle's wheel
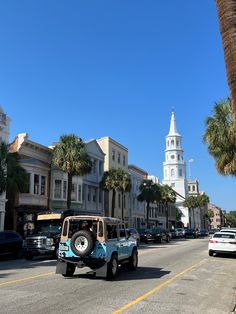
210	253
82	243
133	260
112	267
70	269
29	256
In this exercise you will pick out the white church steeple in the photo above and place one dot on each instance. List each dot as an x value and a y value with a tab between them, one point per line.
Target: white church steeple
174	167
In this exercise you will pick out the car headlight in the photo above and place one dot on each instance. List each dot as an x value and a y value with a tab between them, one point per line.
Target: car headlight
49	241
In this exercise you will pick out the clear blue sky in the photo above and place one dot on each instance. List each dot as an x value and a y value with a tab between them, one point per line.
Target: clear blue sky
116	68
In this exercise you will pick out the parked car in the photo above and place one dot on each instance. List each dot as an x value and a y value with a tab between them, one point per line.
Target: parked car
146	235
231	230
134	234
180	232
191	233
100	243
10	243
222	242
203	233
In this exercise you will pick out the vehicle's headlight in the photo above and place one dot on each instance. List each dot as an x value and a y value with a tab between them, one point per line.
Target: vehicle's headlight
49	241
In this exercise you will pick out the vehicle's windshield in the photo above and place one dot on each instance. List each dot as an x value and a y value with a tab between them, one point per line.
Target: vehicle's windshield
48	227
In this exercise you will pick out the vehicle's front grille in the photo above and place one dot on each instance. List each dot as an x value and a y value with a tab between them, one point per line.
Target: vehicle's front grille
35	242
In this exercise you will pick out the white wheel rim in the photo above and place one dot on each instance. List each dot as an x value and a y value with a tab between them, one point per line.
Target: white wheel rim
81	243
114	266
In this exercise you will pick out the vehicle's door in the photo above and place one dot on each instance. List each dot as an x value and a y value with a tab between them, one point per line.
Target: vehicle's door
2	243
123	242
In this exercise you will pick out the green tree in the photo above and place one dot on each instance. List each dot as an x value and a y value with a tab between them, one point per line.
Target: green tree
113	180
226	14
191	203
70	156
209	215
231	218
149	192
168	196
203	200
220	137
13	180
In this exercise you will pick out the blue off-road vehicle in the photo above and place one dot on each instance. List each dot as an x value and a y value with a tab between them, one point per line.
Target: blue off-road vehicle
101	243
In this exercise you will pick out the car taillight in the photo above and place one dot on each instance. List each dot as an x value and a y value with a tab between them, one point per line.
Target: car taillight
213	241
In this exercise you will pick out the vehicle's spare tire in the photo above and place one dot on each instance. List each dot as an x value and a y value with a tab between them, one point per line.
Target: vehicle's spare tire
82	243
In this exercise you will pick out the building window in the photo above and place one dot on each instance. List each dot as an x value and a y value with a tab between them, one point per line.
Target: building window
124	160
43	185
178	157
180	172
172	185
100	168
74	192
118	158
113	155
89	193
94	165
189	188
57	189
172	156
172	143
36	184
79	192
100	196
94	195
64	190
172	172
27	190
194	188
177	143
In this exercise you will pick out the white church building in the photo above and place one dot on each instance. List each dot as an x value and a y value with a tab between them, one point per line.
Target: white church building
174	168
4	137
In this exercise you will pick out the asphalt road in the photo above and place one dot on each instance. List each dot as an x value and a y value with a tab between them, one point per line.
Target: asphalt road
178	277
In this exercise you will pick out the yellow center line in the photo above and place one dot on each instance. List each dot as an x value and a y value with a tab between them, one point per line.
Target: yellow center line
24	279
159	287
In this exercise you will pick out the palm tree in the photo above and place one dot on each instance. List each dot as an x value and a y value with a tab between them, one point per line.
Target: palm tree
203	200
227	16
149	192
168	196
13	179
220	137
125	186
191	202
113	180
69	155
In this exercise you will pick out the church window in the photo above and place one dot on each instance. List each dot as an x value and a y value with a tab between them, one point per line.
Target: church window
193	187
178	157
180	172
177	143
172	156
172	172
172	143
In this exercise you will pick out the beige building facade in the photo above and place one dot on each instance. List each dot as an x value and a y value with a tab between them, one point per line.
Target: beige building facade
116	156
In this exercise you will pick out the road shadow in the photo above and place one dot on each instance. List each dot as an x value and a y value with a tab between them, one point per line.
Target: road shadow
228	256
141	273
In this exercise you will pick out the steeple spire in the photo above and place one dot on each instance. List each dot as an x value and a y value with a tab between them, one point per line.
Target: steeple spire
173	128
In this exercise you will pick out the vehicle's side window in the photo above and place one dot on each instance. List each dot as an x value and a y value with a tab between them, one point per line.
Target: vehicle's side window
100	229
111	231
65	229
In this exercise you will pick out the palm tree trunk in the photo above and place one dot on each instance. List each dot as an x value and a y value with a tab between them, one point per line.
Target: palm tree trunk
147	220
193	218
113	203
167	216
227	16
69	190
